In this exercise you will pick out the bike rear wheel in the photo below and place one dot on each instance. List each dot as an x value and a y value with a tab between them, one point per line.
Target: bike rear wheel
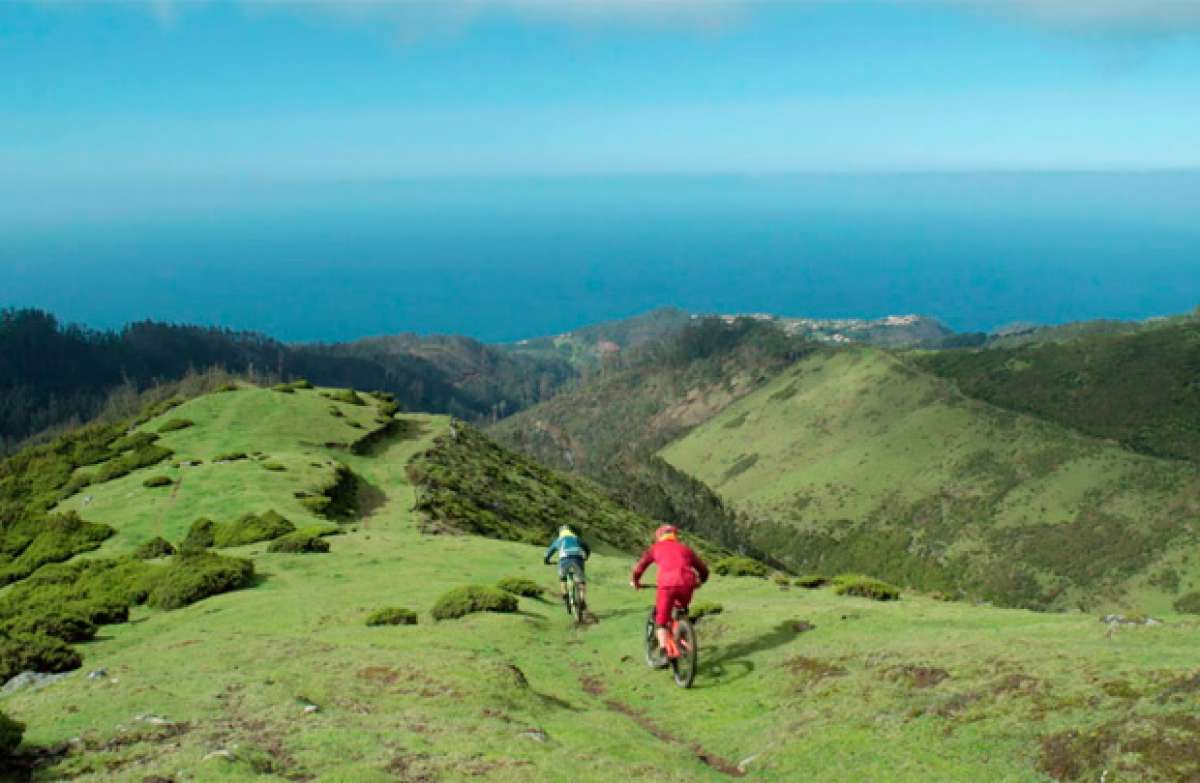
656	658
684	666
574	605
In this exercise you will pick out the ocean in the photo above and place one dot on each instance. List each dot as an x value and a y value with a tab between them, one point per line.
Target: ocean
507	259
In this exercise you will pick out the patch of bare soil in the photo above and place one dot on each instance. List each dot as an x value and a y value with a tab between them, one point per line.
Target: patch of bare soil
712	760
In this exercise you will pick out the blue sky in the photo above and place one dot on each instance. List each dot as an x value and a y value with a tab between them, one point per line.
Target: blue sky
257	93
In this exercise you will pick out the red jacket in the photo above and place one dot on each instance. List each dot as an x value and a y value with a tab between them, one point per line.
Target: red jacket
677	565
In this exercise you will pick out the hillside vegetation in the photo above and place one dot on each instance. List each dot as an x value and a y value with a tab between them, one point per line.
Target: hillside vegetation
1141	389
856	461
331	665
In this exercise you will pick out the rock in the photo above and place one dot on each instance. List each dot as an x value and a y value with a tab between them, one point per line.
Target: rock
32	680
155	720
537	735
309	709
219	754
98	674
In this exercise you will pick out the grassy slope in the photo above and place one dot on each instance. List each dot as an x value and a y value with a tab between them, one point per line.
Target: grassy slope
839	701
1141	389
289	429
860	437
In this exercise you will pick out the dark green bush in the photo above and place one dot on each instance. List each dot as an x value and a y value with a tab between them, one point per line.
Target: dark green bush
704	609
462	601
134	441
286	388
228	387
336	412
1188	604
157	481
811	581
36	653
231	456
740	566
520	586
10	735
783	580
69	626
201	534
301	383
250	529
193	576
348	396
155	548
171	425
276	467
304	540
865	587
315	503
392	615
53	539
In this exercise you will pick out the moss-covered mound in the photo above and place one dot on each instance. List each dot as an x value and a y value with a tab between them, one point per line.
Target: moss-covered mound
31	542
811	581
392	615
704	609
520	586
740	566
305	540
247	529
348	396
171	425
69	625
865	587
462	601
154	548
192	576
157	481
230	456
37	653
1188	603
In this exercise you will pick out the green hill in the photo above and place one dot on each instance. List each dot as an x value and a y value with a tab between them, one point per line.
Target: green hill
857	461
1140	389
284	680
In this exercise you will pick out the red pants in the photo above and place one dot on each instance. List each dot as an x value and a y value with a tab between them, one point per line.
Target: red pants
668	597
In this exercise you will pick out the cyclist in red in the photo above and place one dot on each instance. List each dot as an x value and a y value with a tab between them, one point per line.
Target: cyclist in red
680	571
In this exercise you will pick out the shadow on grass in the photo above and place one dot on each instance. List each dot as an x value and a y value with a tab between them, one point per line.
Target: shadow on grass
718	660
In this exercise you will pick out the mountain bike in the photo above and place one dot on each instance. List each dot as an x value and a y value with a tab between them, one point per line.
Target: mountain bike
682	651
575	604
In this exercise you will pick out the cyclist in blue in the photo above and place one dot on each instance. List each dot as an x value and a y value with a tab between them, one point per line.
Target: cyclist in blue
572	551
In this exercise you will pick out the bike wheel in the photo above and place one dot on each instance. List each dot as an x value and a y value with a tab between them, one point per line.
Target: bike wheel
576	604
655	658
684	666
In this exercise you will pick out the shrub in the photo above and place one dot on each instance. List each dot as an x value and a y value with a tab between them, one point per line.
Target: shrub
865	587
462	601
250	529
348	396
305	540
69	626
704	609
783	580
301	383
315	503
171	425
228	387
811	581
193	576
10	735
1188	604
155	548
35	652
286	388
740	566
276	467
157	481
134	441
201	534
336	412
392	615
231	456
520	586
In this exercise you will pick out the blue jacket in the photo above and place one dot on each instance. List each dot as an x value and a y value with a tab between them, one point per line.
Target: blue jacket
568	546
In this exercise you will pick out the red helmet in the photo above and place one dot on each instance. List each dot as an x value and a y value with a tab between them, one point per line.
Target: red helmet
665	530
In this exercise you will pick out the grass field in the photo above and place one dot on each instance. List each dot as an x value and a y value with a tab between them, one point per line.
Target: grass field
795	684
858	441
